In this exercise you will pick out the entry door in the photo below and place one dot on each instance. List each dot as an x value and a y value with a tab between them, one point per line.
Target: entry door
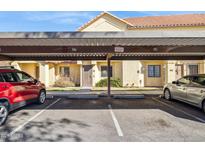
87	76
179	71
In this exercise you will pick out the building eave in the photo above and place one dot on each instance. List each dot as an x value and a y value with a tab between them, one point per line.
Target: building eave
98	17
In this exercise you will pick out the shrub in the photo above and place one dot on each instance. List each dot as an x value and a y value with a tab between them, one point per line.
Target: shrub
113	83
64	82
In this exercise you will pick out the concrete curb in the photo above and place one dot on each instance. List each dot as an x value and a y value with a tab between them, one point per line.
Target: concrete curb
128	96
49	96
83	96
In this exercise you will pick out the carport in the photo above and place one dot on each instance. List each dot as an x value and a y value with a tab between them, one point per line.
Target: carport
141	45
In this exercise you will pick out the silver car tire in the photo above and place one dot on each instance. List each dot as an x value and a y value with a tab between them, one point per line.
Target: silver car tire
167	94
3	113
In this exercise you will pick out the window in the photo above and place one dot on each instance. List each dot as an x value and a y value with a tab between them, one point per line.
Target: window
1	78
9	77
184	81
193	69
104	71
64	71
154	71
198	80
23	77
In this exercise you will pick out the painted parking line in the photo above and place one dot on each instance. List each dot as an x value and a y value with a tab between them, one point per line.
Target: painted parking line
115	121
32	118
179	110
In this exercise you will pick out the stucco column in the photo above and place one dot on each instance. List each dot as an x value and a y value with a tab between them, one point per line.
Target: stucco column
16	65
132	73
164	71
52	77
203	67
108	78
44	73
81	75
141	73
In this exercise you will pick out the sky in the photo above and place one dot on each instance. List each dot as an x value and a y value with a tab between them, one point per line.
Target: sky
62	21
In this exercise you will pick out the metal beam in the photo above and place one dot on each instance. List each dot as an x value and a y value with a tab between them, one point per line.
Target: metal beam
108	78
158	58
5	57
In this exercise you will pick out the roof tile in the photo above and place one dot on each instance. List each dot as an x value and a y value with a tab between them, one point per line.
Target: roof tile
167	21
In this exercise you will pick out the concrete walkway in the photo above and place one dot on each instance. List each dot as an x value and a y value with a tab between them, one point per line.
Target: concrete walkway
103	93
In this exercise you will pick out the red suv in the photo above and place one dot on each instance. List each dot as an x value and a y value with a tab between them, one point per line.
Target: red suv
17	89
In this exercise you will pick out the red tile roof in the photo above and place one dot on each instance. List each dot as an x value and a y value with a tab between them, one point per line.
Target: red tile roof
167	21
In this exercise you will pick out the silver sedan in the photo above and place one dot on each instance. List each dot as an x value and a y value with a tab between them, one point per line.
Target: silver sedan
189	89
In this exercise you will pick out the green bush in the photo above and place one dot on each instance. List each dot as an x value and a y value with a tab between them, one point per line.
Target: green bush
64	82
113	83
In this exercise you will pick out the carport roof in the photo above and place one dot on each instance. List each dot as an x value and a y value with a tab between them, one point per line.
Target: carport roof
139	38
103	56
127	34
98	45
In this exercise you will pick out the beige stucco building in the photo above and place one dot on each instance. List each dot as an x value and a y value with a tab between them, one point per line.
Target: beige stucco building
136	73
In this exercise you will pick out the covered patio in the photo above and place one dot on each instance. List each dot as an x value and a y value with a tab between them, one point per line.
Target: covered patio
146	45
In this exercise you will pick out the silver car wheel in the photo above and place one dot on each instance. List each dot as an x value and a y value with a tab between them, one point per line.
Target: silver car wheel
42	97
203	106
167	94
3	114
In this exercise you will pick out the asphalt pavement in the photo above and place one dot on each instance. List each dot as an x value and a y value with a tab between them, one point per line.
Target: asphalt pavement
105	120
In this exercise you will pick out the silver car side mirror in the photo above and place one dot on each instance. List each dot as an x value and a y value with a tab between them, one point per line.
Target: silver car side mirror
174	82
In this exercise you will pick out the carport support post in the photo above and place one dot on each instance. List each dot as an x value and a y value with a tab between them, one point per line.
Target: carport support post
108	77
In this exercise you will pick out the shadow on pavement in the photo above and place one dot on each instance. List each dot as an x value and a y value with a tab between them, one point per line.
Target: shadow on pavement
49	130
45	130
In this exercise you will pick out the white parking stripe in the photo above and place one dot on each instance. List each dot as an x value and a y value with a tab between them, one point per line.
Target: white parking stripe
117	126
32	118
190	115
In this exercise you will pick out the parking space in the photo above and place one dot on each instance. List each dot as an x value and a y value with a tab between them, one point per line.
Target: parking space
152	120
149	119
20	118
